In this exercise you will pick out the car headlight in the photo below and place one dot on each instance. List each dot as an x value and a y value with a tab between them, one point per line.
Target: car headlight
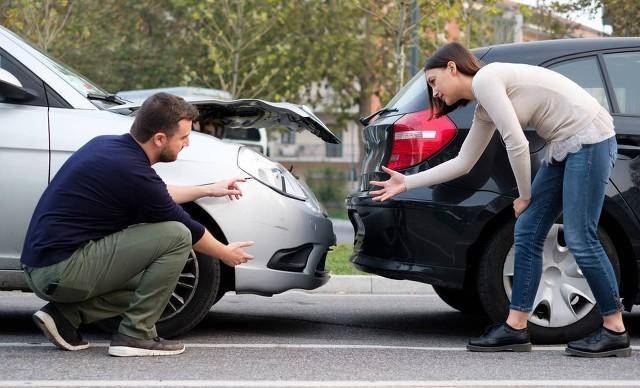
270	173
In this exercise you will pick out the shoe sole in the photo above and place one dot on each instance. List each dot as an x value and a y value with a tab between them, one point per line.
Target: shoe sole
626	352
504	348
127	351
48	326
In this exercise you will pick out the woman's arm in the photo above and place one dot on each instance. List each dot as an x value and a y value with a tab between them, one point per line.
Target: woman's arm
472	148
492	95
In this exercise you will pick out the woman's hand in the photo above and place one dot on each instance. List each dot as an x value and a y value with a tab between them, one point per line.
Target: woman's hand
520	205
391	187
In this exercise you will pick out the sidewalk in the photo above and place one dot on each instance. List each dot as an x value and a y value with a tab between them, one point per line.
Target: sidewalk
371	284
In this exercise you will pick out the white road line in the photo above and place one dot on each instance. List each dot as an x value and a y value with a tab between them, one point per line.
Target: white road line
329	384
297	346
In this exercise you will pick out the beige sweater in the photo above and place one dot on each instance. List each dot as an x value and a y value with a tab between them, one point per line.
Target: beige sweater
512	97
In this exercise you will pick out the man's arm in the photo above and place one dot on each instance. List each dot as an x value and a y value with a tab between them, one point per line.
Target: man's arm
232	254
184	194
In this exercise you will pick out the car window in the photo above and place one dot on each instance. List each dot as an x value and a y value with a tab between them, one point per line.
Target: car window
623	70
26	78
249	134
586	73
412	97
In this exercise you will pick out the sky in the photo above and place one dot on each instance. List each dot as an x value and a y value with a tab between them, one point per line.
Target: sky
581	17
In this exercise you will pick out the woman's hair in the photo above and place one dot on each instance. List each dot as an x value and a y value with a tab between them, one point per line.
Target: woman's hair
466	63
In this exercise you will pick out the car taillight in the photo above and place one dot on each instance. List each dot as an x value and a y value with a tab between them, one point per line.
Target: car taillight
416	137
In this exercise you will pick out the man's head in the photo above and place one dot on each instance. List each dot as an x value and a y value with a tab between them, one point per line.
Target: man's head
163	125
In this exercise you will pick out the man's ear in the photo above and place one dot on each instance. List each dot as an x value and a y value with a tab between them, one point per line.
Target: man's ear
159	139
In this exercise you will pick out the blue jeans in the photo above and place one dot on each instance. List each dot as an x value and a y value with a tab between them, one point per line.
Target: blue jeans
576	187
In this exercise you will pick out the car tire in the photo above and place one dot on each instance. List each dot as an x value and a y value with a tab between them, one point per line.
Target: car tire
199	288
495	301
465	300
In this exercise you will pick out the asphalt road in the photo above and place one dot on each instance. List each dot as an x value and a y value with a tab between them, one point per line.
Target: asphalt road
343	230
299	339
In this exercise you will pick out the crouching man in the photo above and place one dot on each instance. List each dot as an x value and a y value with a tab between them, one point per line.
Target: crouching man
109	239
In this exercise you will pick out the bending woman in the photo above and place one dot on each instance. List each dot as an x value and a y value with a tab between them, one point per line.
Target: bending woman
581	151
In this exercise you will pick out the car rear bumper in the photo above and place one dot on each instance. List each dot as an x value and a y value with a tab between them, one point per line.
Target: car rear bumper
416	237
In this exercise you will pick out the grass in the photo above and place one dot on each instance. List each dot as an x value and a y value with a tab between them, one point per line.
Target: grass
338	261
337	213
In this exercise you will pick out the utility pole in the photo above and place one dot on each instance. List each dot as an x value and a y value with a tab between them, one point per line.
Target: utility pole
415	39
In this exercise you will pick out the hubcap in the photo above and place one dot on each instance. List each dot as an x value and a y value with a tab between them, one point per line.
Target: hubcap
185	289
563	296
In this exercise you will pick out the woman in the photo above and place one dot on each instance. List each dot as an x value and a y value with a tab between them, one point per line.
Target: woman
581	150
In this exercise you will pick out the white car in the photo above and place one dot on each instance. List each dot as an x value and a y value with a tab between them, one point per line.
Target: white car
254	138
47	112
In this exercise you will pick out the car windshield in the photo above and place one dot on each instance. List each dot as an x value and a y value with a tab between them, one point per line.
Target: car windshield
78	82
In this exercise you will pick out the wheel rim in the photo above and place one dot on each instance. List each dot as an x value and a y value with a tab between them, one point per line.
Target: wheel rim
185	289
563	296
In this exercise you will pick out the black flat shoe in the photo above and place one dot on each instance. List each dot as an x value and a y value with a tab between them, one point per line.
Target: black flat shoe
501	338
601	343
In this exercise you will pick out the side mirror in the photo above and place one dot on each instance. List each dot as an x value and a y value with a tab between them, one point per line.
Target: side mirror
11	88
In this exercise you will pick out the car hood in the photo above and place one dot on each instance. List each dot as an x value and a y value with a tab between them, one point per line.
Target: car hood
252	113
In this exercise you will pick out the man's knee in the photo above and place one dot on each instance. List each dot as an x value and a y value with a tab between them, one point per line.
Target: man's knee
180	231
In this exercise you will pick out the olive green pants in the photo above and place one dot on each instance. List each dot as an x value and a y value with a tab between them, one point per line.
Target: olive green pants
130	273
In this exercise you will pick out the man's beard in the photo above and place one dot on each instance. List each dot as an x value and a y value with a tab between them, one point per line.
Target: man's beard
166	156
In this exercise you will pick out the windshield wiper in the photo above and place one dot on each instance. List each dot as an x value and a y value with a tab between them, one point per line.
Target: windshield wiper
106	97
365	120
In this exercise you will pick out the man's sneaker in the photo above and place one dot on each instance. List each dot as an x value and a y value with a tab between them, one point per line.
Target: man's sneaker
58	329
499	338
125	346
601	343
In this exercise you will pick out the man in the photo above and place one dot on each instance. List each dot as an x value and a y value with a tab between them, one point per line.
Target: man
108	237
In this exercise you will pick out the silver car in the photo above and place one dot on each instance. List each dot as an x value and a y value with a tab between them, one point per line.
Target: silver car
47	112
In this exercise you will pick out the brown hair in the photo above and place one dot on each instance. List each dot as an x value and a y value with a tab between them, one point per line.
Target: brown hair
161	113
466	63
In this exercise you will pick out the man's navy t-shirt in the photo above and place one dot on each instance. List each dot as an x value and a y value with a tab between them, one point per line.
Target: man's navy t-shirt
104	187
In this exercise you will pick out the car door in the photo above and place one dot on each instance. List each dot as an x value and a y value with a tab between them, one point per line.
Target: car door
587	72
24	159
621	71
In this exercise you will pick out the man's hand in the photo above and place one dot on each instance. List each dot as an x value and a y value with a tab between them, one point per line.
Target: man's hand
233	253
391	187
520	205
228	187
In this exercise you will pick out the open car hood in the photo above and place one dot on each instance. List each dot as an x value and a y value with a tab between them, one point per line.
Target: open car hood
251	113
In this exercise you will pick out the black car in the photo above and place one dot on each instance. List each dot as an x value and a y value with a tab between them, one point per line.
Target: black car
458	236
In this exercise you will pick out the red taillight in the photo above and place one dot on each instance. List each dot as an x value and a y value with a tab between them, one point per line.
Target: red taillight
416	138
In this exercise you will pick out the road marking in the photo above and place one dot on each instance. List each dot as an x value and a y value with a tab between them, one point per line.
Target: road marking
331	384
541	348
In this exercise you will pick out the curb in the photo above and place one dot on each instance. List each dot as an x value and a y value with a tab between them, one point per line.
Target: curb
372	285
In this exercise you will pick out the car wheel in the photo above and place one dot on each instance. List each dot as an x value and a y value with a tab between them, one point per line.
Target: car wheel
197	290
564	308
464	300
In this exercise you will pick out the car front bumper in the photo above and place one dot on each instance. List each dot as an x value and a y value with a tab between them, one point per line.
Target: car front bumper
276	224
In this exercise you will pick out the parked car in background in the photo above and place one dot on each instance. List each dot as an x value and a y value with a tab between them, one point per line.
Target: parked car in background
254	138
48	111
458	236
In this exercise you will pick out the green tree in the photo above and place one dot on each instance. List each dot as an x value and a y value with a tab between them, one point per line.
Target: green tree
622	15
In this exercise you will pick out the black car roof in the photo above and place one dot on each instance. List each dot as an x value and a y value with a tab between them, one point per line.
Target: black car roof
538	52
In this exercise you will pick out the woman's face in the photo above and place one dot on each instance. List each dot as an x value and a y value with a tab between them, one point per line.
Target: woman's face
444	83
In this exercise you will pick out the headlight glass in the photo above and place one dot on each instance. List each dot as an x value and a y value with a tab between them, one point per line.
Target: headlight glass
270	173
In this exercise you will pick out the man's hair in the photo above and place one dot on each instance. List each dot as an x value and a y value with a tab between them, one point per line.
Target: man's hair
161	113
